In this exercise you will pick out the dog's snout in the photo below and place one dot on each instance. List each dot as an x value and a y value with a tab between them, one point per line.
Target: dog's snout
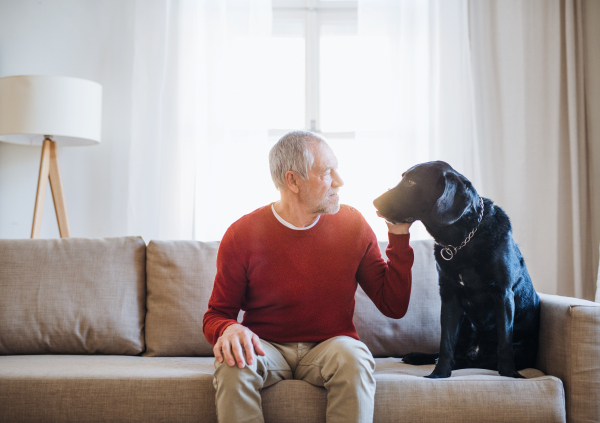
378	202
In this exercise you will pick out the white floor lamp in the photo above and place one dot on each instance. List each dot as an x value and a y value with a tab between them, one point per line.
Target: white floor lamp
50	111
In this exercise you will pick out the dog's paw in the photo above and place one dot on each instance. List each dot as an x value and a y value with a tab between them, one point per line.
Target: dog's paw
419	359
508	370
513	374
439	374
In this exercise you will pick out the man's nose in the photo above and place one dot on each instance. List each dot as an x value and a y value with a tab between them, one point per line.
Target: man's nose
338	179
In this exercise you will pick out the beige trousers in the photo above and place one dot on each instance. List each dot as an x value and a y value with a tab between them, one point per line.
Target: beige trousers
343	365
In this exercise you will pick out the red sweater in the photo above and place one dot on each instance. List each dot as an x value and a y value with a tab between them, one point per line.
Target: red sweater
299	285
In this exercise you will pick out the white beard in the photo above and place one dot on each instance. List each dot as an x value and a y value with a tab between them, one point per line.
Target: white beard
328	205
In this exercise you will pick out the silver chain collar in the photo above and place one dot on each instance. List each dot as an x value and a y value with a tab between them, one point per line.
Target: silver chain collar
450	250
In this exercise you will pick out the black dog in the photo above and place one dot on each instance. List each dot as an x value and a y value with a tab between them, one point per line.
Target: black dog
490	310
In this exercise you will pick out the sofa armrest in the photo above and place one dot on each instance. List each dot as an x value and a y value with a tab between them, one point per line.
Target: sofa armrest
570	350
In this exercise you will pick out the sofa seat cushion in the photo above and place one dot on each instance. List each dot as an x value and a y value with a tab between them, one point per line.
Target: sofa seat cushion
96	388
71	388
470	395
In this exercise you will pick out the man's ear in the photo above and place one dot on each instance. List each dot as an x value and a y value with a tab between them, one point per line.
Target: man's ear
453	203
291	180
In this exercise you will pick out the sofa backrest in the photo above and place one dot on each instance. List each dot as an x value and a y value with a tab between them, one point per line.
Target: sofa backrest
419	330
72	296
117	296
180	276
179	284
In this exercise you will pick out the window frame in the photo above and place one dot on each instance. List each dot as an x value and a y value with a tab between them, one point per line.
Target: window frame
314	14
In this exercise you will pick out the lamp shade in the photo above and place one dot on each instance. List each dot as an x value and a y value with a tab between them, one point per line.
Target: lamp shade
32	106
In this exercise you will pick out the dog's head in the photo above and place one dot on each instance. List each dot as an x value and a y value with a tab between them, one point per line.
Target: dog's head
431	192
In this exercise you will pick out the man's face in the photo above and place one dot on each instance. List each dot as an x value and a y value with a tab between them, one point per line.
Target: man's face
319	191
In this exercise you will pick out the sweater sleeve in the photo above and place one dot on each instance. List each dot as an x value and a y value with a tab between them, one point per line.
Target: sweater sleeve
228	290
389	284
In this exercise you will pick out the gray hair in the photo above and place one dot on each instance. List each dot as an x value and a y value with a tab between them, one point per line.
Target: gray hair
292	152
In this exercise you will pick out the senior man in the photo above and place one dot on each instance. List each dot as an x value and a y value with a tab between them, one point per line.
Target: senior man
293	266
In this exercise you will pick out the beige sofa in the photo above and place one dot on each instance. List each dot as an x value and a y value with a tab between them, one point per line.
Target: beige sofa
110	330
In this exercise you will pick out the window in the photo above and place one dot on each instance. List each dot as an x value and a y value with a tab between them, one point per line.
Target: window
333	80
313	51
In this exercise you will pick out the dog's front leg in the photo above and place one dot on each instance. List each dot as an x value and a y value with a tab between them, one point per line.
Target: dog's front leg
504	306
451	318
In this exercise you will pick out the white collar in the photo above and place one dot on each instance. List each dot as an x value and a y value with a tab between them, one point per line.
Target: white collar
288	224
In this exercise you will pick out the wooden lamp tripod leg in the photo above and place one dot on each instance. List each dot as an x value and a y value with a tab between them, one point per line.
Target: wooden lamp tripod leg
58	194
41	189
49	170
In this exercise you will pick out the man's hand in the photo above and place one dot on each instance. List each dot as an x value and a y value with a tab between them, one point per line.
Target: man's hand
398	229
235	340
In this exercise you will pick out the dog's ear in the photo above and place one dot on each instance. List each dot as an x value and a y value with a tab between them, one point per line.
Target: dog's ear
454	201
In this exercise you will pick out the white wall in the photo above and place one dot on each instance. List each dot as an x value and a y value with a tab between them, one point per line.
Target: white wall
88	39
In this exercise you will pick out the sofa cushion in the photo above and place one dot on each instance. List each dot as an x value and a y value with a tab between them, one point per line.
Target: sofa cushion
95	388
419	330
57	388
72	296
179	283
470	395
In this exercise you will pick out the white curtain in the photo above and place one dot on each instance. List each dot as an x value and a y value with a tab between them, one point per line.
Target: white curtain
495	88
530	120
198	129
419	105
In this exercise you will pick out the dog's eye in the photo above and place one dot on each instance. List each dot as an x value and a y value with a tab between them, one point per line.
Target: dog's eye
410	183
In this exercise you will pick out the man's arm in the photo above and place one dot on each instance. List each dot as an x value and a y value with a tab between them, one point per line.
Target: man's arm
220	324
389	284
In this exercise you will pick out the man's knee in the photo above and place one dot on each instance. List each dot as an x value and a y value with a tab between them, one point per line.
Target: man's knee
351	349
352	354
227	376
